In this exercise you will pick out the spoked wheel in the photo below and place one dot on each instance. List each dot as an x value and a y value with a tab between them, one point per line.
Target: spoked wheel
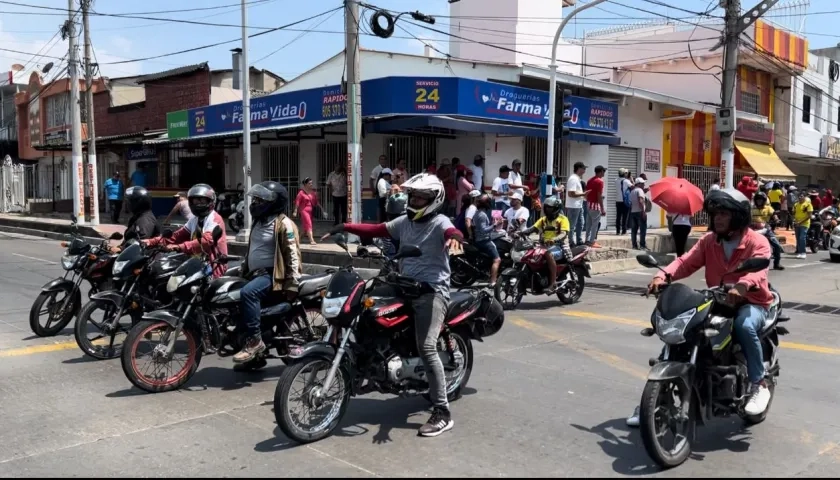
97	335
665	422
571	291
461	276
458	375
52	311
151	366
303	410
509	293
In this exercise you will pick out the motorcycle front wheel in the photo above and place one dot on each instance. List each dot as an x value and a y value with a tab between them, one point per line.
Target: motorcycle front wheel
299	390
509	293
659	415
60	306
101	342
462	276
571	293
164	373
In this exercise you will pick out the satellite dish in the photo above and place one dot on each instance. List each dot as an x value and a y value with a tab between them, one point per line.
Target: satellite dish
47	67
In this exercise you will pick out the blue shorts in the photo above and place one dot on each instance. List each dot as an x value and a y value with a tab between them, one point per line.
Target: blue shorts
557	253
488	248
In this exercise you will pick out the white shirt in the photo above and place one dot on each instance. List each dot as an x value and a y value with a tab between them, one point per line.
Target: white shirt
516	179
375	173
478	175
501	185
520	213
574	185
338	184
622	185
470	212
680	219
383	187
714	186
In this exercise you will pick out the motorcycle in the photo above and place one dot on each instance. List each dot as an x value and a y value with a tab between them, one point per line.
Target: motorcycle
472	265
80	261
383	356
700	366
828	223
237	219
204	317
529	274
142	273
813	238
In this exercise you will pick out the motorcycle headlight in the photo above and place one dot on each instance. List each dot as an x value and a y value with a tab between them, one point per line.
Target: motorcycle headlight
331	307
672	331
118	266
173	282
69	261
517	255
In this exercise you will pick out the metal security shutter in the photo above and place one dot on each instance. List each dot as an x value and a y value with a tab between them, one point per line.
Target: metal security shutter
620	157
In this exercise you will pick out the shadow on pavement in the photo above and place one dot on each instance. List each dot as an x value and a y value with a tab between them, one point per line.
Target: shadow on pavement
221	378
83	359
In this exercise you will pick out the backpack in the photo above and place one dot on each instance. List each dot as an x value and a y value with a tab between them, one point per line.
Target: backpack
625	194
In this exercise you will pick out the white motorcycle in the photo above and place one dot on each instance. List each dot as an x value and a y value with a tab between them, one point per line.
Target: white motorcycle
237	219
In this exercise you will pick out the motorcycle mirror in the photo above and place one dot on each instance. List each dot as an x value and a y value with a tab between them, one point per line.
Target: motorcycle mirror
341	241
752	265
167	233
408	251
116	236
647	260
217	234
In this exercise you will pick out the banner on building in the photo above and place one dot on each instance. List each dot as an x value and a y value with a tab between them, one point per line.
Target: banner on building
754	131
141	153
653	160
830	147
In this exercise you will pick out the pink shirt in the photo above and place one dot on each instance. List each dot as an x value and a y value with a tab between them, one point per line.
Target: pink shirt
708	252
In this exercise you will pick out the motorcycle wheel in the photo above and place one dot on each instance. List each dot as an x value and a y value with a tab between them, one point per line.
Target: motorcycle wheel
656	416
460	276
106	345
510	296
312	371
815	247
156	382
57	317
456	381
570	295
756	419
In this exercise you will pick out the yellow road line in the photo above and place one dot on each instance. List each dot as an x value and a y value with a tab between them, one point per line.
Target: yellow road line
33	349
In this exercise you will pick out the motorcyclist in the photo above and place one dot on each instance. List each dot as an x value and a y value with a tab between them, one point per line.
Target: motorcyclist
197	234
762	217
143	224
554	228
720	251
425	226
273	263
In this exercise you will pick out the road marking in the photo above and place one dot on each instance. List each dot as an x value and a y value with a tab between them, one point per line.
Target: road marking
809	264
642	273
644	324
34	258
33	349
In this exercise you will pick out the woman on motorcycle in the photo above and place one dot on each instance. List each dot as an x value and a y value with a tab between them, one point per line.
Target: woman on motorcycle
554	228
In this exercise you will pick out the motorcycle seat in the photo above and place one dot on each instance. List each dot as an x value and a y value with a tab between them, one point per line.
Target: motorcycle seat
310	284
278	309
578	249
459	302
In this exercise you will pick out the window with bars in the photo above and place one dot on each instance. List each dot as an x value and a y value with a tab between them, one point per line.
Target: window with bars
58	110
751	102
281	163
418	152
536	153
329	154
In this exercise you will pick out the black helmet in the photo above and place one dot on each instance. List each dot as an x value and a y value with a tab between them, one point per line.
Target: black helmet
760	198
139	200
483	201
733	201
267	198
551	207
202	190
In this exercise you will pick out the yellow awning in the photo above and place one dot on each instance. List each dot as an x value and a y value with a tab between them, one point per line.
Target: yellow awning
765	162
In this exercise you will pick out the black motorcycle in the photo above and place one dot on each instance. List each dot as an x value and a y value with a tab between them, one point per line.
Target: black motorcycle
61	298
702	372
814	236
142	273
203	319
472	265
382	355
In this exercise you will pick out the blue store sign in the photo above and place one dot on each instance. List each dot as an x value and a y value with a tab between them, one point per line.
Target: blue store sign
401	96
141	153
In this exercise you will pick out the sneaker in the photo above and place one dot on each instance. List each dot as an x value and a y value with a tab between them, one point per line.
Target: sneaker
253	347
778	267
801	256
758	401
439	422
633	420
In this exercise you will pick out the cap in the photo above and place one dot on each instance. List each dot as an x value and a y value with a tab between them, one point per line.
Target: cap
386	171
600	168
474	193
446	161
504	168
517	161
623	171
580	165
478	157
517	195
640	180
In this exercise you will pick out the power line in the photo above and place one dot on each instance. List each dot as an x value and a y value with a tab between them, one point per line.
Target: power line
699	14
301	35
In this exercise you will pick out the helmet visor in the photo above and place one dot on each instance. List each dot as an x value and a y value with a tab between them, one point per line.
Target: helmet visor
261	193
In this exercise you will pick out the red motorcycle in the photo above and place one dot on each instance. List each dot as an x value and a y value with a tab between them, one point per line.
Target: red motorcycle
529	274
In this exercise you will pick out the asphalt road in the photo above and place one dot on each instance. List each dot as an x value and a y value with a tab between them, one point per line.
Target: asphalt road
548	397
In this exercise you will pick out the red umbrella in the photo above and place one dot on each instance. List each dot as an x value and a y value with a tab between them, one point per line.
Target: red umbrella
676	195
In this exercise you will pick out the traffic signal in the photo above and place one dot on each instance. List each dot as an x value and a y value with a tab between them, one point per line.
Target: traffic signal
560	130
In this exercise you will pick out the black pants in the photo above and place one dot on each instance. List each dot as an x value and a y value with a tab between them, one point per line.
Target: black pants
116	208
382	216
339	210
622	215
680	234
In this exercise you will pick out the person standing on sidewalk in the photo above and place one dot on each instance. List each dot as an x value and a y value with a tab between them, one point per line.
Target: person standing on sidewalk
680	229
337	184
801	214
114	190
575	196
792	197
638	215
623	186
595	205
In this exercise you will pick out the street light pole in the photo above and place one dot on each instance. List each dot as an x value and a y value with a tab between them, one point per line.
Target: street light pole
243	234
552	89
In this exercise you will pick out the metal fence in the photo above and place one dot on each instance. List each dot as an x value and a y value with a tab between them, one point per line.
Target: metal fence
703	177
13	181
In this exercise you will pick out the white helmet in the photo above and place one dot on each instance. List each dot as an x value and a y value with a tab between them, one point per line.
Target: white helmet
429	187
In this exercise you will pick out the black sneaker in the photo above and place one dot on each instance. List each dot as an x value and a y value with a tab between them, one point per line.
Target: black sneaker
778	267
439	422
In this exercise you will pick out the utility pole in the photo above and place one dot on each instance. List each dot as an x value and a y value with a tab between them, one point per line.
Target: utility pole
78	174
92	177
354	111
727	115
245	233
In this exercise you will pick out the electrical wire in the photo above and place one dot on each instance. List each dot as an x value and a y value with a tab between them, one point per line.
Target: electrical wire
218	7
298	37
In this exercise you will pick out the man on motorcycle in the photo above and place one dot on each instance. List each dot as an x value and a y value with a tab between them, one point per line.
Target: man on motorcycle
728	244
762	216
197	234
424	226
143	224
554	228
273	262
483	226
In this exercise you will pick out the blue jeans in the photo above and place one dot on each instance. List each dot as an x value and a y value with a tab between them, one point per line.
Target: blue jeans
775	246
638	225
801	239
501	206
250	296
747	327
576	225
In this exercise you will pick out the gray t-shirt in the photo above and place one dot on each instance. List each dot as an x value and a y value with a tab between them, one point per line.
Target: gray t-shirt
433	266
637	200
262	244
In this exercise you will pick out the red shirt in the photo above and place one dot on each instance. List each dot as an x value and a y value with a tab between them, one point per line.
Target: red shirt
595	186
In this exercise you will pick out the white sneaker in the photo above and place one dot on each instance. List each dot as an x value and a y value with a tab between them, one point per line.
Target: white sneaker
758	401
633	420
801	256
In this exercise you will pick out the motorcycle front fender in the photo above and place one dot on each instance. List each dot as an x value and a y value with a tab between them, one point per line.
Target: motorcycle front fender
324	350
169	316
672	371
58	285
587	268
109	296
510	272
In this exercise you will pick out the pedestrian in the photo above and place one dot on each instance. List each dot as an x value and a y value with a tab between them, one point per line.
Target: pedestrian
715	185
400	173
515	180
337	185
775	196
305	204
747	186
638	215
478	172
181	208
114	190
575	196
680	229
623	187
792	198
383	190
827	199
139	177
463	179
595	205
501	189
517	215
801	214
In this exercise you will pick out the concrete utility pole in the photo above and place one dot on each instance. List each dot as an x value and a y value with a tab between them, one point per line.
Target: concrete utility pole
354	111
726	115
245	233
76	119
92	177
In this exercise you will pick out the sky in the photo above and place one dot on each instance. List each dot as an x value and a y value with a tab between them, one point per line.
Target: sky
288	53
